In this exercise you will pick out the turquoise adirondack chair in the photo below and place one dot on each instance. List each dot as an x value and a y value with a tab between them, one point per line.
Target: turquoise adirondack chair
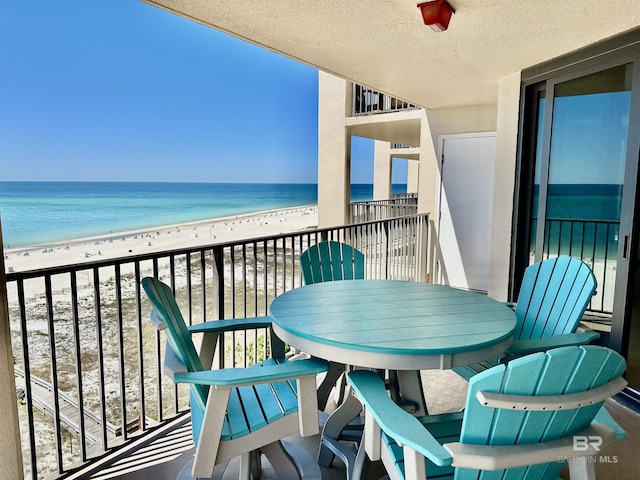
236	411
326	261
522	420
553	297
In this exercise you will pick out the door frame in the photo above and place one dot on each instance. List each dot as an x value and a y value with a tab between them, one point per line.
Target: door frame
629	231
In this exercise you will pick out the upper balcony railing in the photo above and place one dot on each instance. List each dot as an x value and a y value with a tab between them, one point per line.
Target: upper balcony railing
81	332
367	102
405	197
399	205
400	146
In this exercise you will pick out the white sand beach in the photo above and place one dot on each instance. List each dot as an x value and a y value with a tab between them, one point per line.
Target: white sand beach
167	237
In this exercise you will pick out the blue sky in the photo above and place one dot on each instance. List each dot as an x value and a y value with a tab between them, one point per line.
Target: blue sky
118	90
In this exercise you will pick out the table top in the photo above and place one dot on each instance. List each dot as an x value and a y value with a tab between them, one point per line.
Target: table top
393	324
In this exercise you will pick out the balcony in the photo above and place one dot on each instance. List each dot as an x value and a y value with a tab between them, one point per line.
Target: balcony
93	401
88	361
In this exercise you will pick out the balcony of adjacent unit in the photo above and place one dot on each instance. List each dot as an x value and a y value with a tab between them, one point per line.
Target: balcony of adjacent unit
380	116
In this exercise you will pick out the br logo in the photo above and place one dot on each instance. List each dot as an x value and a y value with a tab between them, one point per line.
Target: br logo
581	443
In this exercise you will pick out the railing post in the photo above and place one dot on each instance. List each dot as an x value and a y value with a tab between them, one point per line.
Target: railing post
354	97
385	252
422	246
218	299
11	458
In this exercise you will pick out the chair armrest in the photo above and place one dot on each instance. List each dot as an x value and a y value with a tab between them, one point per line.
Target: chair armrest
216	326
522	347
213	328
238	377
399	424
229	325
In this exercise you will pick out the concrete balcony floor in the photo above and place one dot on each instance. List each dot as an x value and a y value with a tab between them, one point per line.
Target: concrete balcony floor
163	456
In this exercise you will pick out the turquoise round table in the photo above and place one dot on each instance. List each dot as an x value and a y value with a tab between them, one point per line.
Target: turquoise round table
391	324
399	326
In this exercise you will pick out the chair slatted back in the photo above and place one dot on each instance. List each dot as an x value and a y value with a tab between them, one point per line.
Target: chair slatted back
327	261
553	297
560	371
178	336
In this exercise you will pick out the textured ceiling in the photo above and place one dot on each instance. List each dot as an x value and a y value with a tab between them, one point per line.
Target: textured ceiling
385	45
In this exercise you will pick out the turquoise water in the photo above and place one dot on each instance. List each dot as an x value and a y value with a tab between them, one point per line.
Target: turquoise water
592	202
41	212
582	220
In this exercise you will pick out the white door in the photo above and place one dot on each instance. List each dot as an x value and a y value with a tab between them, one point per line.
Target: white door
465	207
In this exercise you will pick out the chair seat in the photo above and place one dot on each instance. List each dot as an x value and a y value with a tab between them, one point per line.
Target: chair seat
468	371
255	406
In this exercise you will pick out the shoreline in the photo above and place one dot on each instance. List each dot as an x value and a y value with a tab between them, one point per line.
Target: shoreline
164	237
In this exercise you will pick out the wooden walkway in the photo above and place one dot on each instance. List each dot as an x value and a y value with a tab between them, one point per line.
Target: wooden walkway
42	398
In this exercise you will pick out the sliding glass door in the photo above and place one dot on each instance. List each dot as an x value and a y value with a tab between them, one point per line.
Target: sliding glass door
581	184
577	188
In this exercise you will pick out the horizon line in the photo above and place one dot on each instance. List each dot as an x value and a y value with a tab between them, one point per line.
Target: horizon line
177	181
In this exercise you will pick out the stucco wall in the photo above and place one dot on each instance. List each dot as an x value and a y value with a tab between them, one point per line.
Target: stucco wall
334	147
413	170
11	458
504	184
467	119
381	170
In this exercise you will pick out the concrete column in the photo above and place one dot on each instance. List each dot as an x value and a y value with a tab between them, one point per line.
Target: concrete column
413	171
504	185
334	151
11	458
428	189
381	170
427	179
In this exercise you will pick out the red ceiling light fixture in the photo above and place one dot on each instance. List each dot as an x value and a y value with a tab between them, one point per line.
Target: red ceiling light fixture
436	14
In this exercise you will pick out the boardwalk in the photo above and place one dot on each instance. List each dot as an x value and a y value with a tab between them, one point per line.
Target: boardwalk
42	398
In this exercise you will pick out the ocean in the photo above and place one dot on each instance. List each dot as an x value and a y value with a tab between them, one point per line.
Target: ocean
582	219
42	212
582	202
